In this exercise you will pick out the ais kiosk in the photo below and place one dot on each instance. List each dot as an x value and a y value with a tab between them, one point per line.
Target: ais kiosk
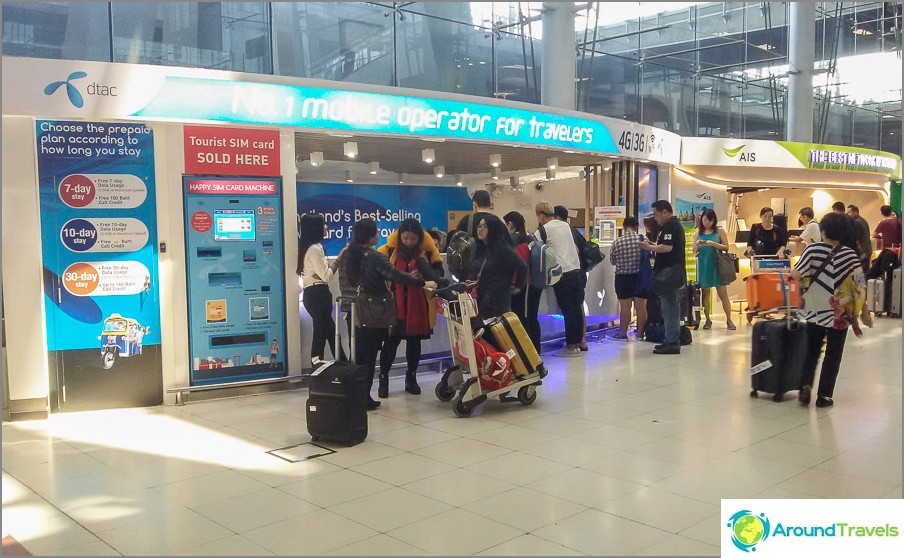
236	290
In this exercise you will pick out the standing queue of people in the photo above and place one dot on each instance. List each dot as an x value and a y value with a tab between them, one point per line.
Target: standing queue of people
409	266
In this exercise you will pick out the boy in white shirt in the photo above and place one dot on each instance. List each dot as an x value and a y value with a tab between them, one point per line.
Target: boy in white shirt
568	290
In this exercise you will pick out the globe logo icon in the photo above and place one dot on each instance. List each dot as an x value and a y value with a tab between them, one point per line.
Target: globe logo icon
747	529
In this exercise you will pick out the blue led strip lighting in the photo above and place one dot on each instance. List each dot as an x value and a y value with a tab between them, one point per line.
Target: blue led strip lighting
330	109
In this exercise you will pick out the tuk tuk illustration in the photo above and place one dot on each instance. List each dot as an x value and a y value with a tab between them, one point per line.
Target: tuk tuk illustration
121	338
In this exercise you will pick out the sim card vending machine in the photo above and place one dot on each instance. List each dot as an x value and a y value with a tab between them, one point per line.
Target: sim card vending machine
236	290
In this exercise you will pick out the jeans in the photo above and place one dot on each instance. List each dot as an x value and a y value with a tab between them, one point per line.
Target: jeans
570	296
671	315
318	301
831	363
526	305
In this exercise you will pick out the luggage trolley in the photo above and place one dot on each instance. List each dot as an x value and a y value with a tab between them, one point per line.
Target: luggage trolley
463	376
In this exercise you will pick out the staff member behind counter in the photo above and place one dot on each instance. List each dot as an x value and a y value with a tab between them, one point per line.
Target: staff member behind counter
766	239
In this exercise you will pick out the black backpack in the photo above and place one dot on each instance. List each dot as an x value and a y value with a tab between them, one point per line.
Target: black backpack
589	253
460	250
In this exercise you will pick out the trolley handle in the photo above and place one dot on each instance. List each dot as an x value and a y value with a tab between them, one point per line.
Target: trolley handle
340	301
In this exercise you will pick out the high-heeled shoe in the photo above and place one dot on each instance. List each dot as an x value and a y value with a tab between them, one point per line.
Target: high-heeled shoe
383	386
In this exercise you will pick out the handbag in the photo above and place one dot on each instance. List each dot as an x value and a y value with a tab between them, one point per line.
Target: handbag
668	279
375	311
725	267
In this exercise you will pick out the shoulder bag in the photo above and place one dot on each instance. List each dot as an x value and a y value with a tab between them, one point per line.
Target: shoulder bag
375	311
725	266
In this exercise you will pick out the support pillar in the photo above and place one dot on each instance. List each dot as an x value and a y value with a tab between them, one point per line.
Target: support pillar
558	55
801	56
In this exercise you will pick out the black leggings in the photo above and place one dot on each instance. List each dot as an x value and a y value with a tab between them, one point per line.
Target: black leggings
831	363
368	342
318	301
390	348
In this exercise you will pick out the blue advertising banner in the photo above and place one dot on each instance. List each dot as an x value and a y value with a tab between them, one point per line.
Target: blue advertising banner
389	205
99	240
311	107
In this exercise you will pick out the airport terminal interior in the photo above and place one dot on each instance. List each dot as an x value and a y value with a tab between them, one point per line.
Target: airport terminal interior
158	362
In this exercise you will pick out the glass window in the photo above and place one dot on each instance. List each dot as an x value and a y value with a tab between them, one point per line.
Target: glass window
220	35
65	30
341	41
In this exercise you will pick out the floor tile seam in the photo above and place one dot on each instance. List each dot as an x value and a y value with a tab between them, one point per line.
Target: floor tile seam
877	483
65	514
483	460
539	493
641	523
402	486
60	550
541	537
449	507
239	533
534	529
854	474
219	497
382	489
652	487
52	470
634	521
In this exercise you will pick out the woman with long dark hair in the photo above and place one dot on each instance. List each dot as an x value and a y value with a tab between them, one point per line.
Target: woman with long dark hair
708	239
527	302
413	251
316	274
369	270
494	263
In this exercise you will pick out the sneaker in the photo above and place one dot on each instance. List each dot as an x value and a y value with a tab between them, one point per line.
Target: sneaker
620	337
708	324
824	401
569	352
667	350
804	395
731	325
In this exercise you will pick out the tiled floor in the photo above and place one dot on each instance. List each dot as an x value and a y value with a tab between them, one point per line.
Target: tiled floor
624	452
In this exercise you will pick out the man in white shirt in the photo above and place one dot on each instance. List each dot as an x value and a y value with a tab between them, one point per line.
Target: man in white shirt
569	293
811	233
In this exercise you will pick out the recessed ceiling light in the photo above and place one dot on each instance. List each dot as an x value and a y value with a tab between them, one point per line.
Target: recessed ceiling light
316	158
428	155
373	167
348	176
495	160
458	180
439	171
552	163
350	148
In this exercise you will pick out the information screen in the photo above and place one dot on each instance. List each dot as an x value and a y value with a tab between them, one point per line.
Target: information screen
233	224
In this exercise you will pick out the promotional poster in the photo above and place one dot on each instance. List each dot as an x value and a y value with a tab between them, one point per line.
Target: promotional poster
98	226
343	204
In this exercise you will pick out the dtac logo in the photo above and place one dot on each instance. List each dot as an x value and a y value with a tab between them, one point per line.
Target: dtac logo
75	96
748	156
748	530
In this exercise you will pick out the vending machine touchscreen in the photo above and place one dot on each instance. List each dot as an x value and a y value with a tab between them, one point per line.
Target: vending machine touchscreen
236	279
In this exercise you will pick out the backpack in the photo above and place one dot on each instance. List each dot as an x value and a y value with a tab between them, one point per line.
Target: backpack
545	270
460	251
589	253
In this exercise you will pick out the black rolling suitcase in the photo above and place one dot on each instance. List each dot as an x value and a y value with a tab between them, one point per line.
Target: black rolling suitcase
777	358
336	408
691	305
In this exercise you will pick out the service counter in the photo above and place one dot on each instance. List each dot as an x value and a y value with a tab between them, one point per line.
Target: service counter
600	306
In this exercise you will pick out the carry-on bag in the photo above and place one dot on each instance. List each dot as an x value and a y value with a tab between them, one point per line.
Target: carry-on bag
336	408
777	356
690	299
894	307
875	296
508	333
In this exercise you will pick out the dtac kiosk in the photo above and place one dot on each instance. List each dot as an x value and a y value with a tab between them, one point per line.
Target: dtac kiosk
236	289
